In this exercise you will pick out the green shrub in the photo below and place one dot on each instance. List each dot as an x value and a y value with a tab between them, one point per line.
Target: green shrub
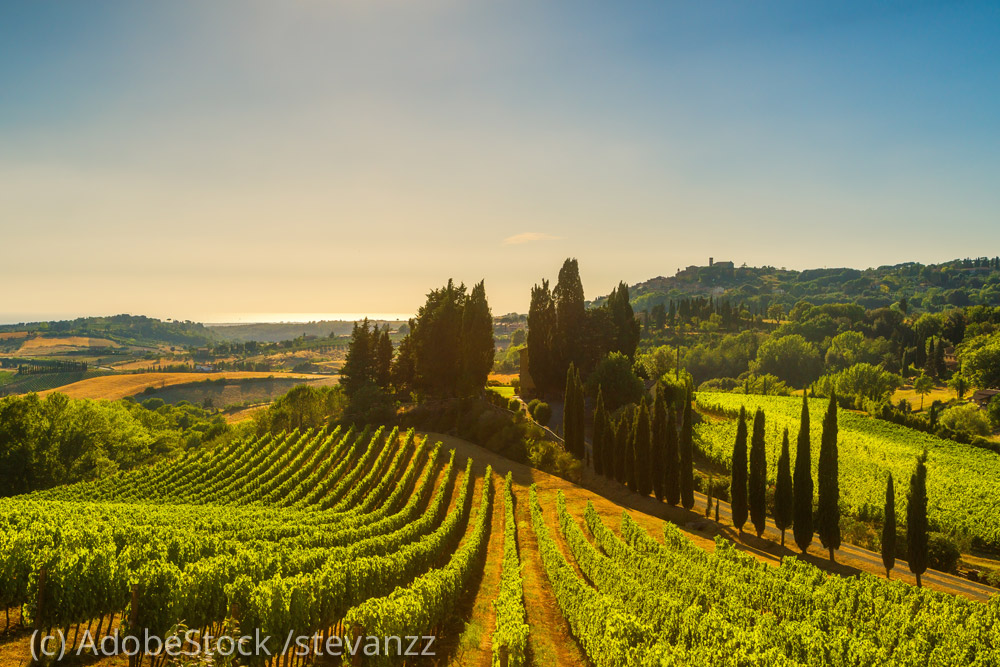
542	413
514	405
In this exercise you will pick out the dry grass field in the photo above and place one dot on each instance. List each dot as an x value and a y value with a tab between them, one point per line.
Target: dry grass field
939	393
113	387
9	335
39	344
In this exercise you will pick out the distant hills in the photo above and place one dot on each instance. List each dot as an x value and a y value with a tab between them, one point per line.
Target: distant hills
931	287
273	332
128	329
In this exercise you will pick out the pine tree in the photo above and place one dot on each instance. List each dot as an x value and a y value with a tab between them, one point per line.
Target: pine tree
889	528
757	488
658	445
687	455
671	461
783	498
738	487
802	526
600	423
916	520
360	365
828	503
641	444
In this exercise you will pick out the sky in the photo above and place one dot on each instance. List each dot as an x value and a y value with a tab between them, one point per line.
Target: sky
216	160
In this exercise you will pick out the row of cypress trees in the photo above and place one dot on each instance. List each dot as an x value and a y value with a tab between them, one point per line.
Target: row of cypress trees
793	495
643	448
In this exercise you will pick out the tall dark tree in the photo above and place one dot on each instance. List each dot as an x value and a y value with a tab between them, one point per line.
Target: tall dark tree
802	527
404	367
641	444
630	472
828	478
757	490
361	365
437	336
570	312
889	528
569	412
543	364
783	494
658	317
738	485
940	367
477	344
622	436
608	446
916	520
580	415
383	360
657	453
672	461
626	327
597	442
687	455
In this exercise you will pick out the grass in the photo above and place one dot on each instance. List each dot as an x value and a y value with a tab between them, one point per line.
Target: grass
506	392
241	392
939	393
113	387
40	343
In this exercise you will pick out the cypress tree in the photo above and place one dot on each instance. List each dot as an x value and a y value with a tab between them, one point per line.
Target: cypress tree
641	443
659	441
541	340
889	528
671	461
828	478
939	364
569	408
477	344
580	415
687	455
802	527
622	436
783	499
608	447
738	488
916	520
600	419
570	313
757	490
630	474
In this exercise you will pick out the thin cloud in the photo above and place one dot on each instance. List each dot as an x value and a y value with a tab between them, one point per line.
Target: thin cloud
528	237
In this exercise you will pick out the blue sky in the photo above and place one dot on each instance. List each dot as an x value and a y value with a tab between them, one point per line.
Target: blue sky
204	159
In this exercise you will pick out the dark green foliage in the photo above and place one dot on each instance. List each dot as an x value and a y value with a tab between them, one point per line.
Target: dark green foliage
383	360
362	365
757	488
570	312
687	456
916	520
671	461
619	382
783	494
448	350
623	435
626	328
738	486
658	316
541	413
658	446
307	407
541	340
828	477
630	474
600	425
889	528
58	440
573	414
802	527
477	345
608	447
641	443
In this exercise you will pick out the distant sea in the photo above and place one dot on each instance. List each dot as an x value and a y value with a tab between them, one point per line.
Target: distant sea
296	318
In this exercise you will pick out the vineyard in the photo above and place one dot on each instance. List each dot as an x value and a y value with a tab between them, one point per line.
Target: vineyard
963	481
361	534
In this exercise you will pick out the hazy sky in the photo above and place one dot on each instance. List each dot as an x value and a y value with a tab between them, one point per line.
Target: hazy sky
204	159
